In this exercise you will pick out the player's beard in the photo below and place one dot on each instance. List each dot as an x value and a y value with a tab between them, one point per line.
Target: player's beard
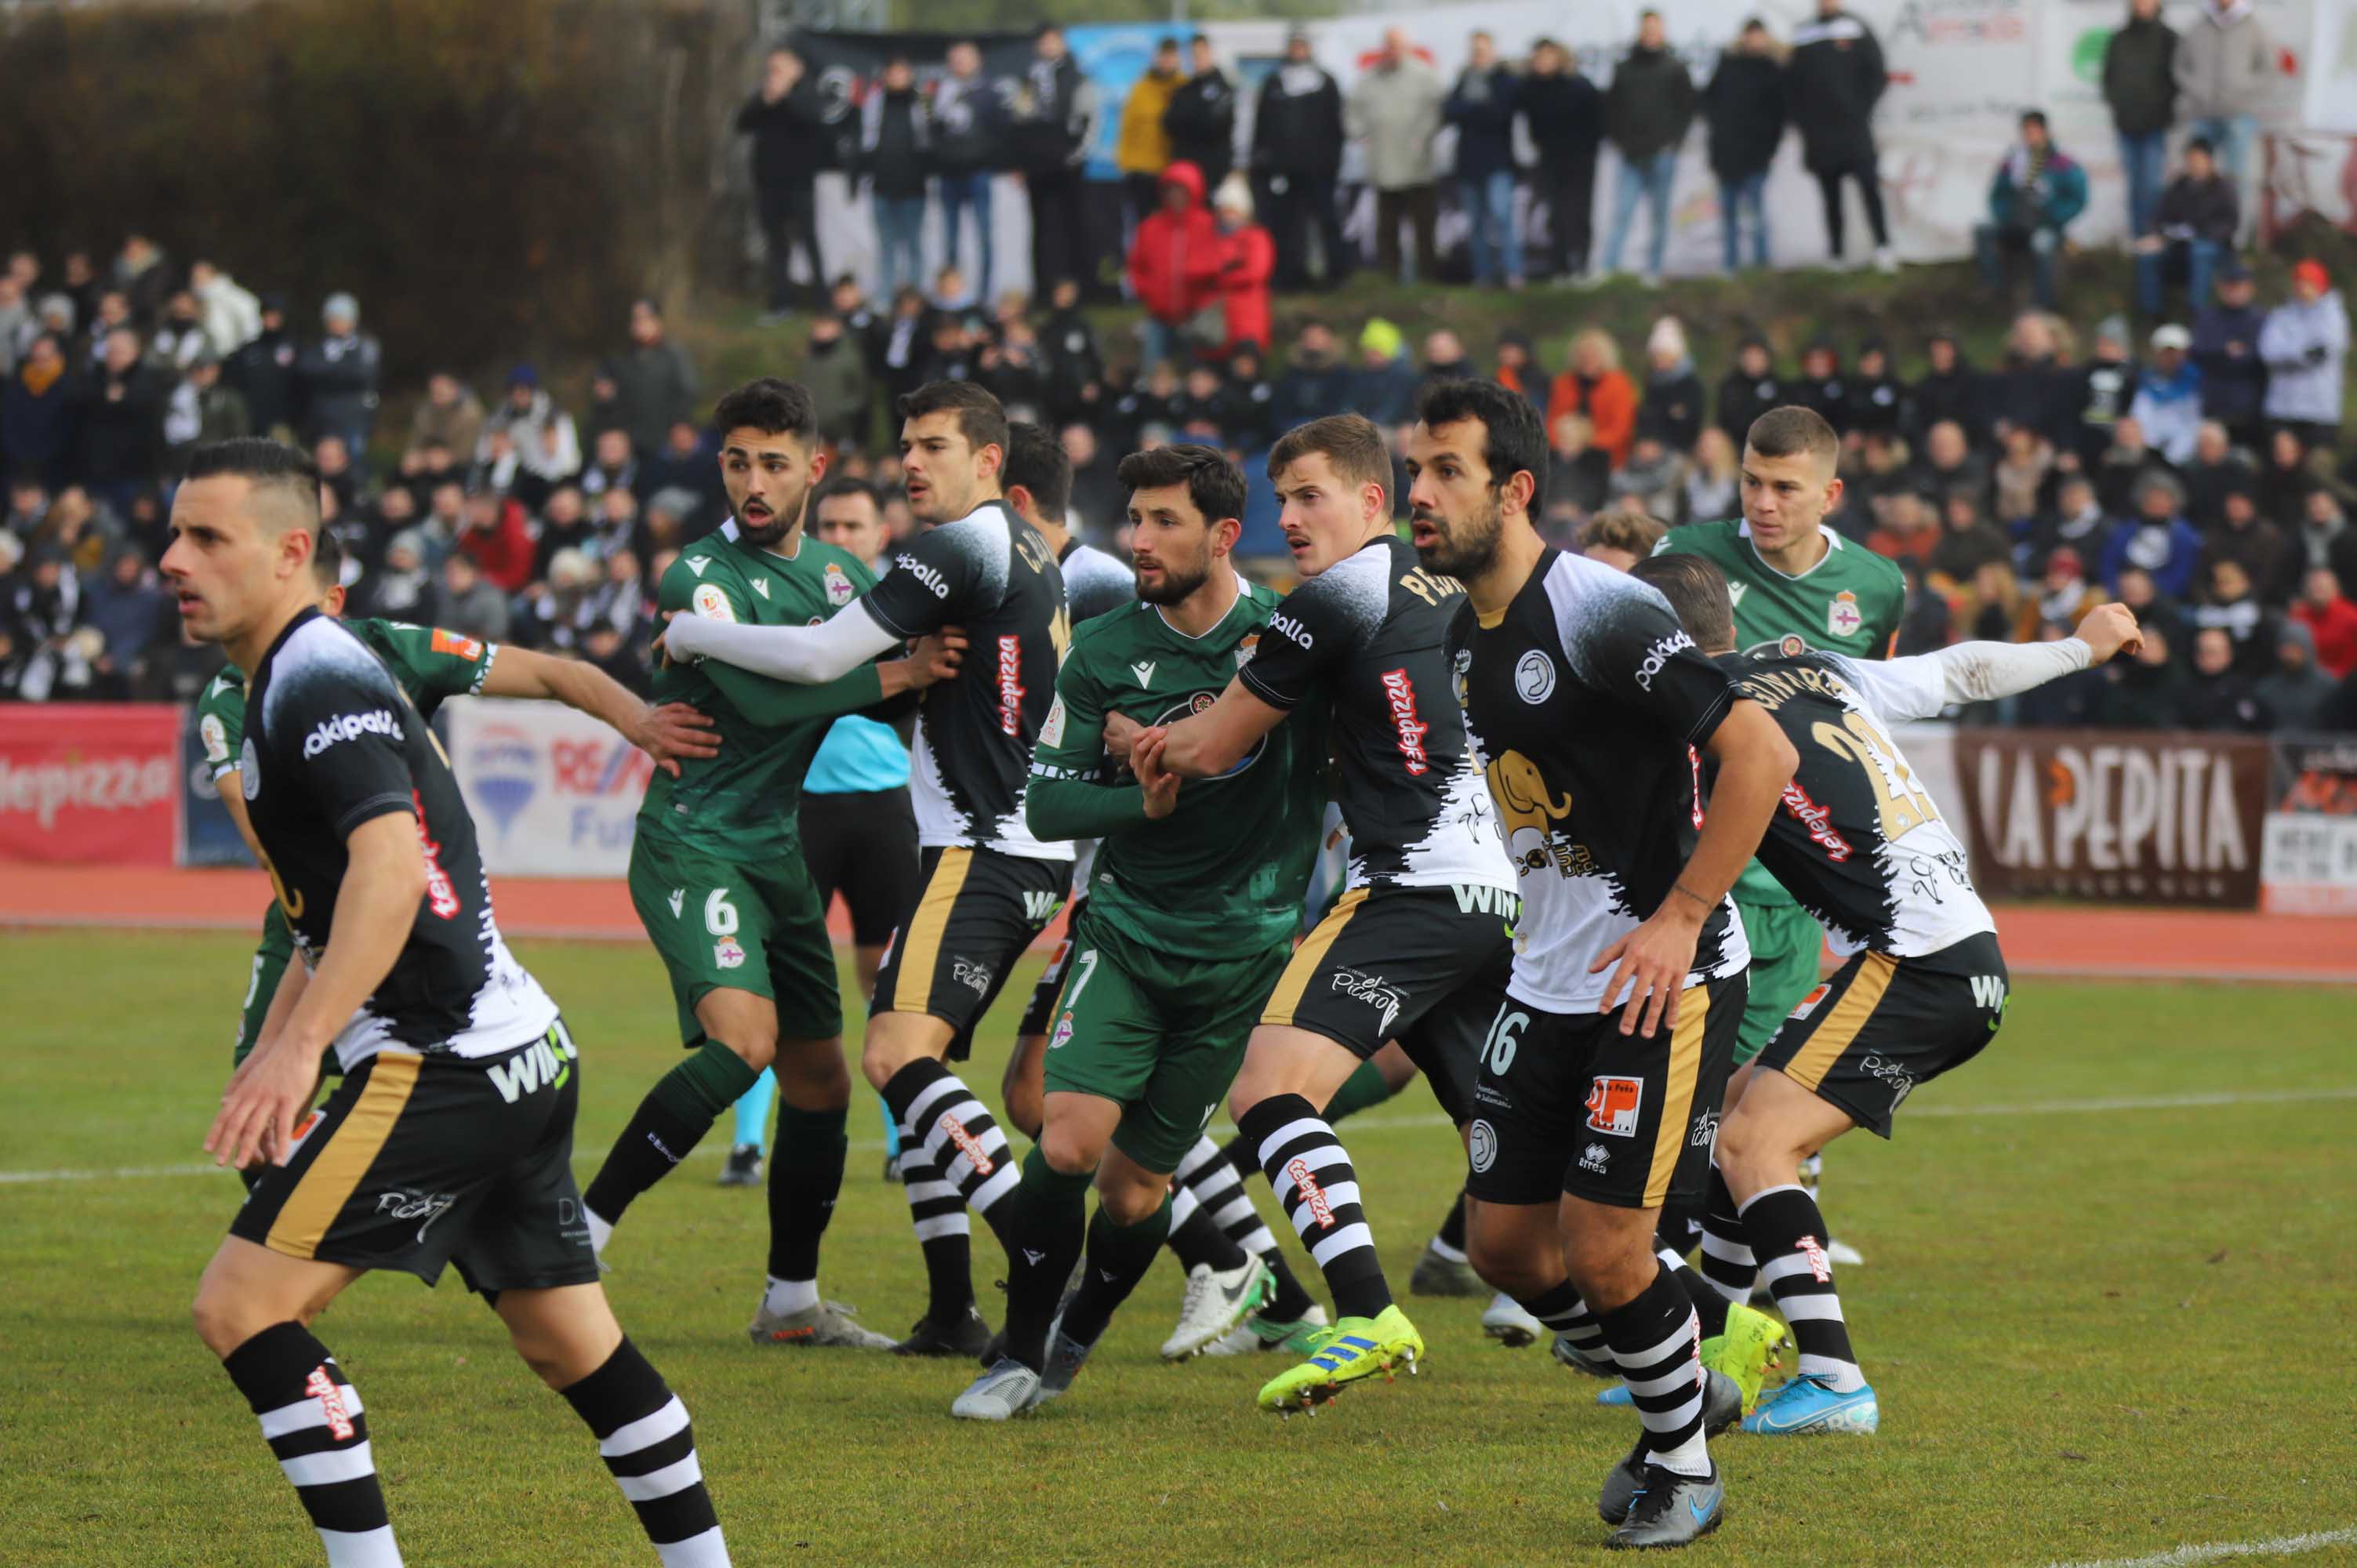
1466	548
767	533
1176	582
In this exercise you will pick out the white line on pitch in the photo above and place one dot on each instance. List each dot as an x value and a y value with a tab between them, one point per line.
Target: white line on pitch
2185	1556
1435	1119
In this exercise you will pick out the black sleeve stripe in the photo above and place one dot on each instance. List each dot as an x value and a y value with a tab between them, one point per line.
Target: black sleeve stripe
884	621
1253	684
368	811
1705	727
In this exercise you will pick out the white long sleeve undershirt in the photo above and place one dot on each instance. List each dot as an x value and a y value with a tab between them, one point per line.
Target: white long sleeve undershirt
805	655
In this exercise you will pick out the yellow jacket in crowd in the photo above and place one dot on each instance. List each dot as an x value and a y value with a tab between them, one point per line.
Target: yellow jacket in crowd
1145	146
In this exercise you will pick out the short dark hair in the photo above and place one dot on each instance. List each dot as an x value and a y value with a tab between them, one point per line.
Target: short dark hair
846	485
771	406
265	465
1514	439
2202	145
1351	443
1213	484
1790	430
1696	589
326	558
981	418
1038	461
2034	117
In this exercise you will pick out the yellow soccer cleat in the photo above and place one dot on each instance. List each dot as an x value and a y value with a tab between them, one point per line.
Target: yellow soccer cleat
1353	1348
1745	1352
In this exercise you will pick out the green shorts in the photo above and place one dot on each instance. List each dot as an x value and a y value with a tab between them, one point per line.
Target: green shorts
1785	939
721	924
270	962
1159	1035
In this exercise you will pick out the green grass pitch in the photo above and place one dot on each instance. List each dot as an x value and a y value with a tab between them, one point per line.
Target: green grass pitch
2108	1290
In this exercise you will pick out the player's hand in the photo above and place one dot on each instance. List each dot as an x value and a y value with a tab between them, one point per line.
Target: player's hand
1161	786
936	657
1650	967
673	731
661	645
266	1096
1121	732
1149	739
2108	629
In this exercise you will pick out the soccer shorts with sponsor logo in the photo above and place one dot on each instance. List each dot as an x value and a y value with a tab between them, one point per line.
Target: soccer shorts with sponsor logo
862	844
952	955
1425	966
418	1161
1785	941
1865	1038
1158	1035
1566	1102
1040	1011
739	924
270	960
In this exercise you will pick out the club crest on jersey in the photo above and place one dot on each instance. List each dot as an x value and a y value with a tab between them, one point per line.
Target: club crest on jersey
1051	731
1842	616
838	586
249	768
1613	1104
1063	1032
216	738
1791	645
1481	1147
728	954
1533	677
712	604
1246	648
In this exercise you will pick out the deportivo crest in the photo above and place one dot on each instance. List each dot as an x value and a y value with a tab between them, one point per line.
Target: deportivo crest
1613	1104
1063	1032
838	586
727	954
1842	616
1533	677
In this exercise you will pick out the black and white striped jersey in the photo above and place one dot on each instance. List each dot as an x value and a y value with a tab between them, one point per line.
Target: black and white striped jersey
1095	584
1586	703
1858	840
1369	634
991	573
331	743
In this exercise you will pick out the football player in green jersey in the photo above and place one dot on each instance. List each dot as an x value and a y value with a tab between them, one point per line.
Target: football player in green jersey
717	873
1790	574
1189	924
430	663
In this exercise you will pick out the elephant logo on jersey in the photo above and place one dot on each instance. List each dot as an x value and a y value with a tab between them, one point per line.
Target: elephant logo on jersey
1527	812
1842	616
838	586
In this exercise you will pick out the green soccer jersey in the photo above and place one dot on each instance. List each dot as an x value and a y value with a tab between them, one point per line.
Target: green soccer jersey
1849	603
743	802
1225	872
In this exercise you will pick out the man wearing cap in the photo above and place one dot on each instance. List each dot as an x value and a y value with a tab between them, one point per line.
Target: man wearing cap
2226	347
1296	155
2192	227
2305	343
339	376
2167	401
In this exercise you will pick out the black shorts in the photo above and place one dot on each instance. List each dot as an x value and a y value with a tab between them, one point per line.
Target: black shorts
1412	964
1041	1008
1568	1104
416	1162
952	955
1883	1025
863	845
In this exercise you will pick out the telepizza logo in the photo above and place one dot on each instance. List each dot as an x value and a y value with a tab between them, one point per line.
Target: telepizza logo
967	1145
1401	693
1820	1266
1613	1104
1818	820
1011	684
1313	1194
441	896
338	1415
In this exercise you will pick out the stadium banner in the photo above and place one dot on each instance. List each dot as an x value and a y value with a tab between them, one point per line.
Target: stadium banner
553	792
2309	864
2115	816
207	836
90	784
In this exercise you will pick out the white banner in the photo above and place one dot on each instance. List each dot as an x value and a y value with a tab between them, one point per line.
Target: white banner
2309	864
553	792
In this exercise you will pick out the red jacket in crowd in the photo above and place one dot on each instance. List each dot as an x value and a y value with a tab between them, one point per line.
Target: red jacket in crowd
1243	286
503	552
2335	627
1175	258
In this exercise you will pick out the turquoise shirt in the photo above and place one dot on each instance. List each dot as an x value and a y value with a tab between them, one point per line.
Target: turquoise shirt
858	754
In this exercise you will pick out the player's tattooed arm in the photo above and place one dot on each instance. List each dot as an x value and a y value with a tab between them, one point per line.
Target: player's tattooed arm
667	733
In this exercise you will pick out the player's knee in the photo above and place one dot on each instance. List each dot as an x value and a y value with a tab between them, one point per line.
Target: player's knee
1128	1202
218	1321
811	1074
1504	1266
1069	1152
1745	1150
879	1060
757	1048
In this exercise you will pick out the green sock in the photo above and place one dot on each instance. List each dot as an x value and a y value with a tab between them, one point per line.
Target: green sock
805	1175
1118	1257
1043	1240
673	1118
1361	1090
708	1082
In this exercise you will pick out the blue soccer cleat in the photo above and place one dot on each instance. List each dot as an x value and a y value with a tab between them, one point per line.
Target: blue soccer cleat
1614	1394
1806	1406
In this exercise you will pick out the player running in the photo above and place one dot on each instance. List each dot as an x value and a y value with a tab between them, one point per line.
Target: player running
451	1138
717	874
1791	573
1416	948
1864	847
430	663
990	886
1588	709
1196	894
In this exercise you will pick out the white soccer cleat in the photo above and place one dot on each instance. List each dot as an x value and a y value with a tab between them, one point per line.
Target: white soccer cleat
1216	1304
1842	1255
1506	1322
1002	1393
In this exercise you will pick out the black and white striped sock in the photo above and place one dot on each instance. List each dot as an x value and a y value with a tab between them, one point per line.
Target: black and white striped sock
1208	1184
945	1235
311	1418
645	1438
1726	1261
1789	1234
1310	1172
961	1139
1658	1345
1564	1313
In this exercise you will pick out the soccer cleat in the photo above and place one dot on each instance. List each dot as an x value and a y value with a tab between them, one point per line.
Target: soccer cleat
1002	1393
1841	1254
1806	1406
1506	1322
965	1336
1354	1348
1722	1400
1436	1275
1066	1356
1215	1304
1721	1405
1670	1510
1262	1332
827	1323
1579	1360
1746	1351
744	1166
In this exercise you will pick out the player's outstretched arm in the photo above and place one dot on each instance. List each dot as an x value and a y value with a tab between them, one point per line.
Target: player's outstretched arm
666	734
1921	685
1210	743
376	905
805	655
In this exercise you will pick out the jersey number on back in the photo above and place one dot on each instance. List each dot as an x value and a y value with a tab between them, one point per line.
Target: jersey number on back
1903	803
